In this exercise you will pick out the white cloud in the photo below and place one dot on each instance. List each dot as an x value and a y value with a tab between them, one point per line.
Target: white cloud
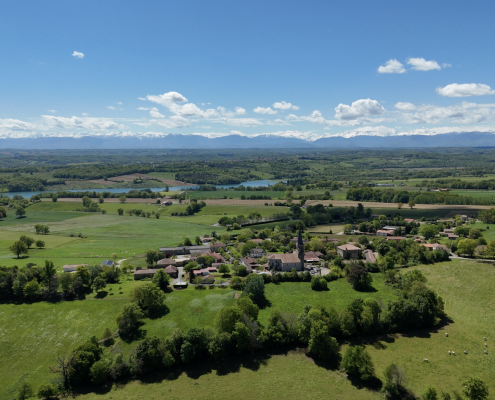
240	111
244	122
277	121
264	110
283	105
463	113
420	64
359	109
155	113
143	108
391	67
465	90
111	108
446	65
13	125
142	98
85	114
174	121
52	111
119	103
81	123
405	106
236	133
78	54
171	100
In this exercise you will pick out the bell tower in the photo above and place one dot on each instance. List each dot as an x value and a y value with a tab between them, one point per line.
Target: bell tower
300	248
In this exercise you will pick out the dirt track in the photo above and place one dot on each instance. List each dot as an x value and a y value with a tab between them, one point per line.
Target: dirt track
131	177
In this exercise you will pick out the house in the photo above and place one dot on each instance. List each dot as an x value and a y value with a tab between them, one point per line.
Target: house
452	236
312	257
206	240
108	263
167	203
217	245
144	273
439	247
172	271
218	258
176	251
72	268
409	220
369	256
285	262
396	238
257	241
385	184
257	253
392	228
384	232
347	251
166	262
464	217
250	263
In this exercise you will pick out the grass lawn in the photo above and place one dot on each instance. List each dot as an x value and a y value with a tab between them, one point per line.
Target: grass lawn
294	296
338	227
36	217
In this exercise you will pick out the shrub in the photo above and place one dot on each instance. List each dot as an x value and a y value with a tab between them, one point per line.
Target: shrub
357	362
47	391
319	283
99	372
358	276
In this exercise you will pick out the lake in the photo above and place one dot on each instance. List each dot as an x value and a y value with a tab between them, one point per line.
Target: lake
263	182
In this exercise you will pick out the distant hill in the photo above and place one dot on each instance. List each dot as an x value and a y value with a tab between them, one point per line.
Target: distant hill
174	141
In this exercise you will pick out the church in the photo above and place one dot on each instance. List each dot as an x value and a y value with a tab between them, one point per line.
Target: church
285	262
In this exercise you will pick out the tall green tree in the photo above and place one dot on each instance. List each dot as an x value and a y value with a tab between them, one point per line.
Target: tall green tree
19	248
475	389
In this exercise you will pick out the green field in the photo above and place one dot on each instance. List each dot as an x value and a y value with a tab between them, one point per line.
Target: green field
464	285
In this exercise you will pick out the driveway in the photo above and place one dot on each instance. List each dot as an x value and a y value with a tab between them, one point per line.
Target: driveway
180	271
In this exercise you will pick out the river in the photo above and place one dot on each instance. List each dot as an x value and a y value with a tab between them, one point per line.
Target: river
156	189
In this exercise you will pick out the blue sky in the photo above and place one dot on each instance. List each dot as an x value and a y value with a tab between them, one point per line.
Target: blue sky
292	68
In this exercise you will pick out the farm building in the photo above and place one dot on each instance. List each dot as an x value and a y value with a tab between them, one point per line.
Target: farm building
348	251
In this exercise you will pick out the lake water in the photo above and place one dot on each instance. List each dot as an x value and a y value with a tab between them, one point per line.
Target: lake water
157	189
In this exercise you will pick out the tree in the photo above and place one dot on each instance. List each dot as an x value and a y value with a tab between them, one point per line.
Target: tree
24	391
129	320
161	279
358	276
47	391
3	212
248	307
66	281
399	205
54	198
236	283
19	248
474	233
40	244
254	286
475	389
32	289
101	200
122	199
86	201
227	317
83	273
151	257
20	212
357	362
242	270
430	393
321	344
223	269
49	272
65	368
428	231
27	240
395	378
148	297
99	372
120	211
411	204
99	283
242	338
466	246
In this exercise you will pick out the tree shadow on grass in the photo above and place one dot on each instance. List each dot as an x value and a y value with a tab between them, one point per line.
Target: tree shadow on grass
374	383
101	295
158	312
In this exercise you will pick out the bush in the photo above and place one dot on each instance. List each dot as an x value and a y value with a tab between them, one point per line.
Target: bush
319	283
357	362
47	391
99	372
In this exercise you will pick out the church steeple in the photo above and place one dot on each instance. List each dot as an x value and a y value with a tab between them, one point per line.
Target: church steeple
300	247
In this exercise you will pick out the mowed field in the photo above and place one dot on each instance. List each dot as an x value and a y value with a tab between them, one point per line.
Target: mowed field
466	287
